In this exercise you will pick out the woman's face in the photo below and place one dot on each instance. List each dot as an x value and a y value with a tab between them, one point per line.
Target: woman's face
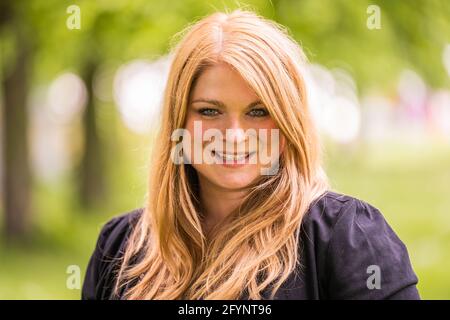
222	102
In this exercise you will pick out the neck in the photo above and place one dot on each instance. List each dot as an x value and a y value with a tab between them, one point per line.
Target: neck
218	202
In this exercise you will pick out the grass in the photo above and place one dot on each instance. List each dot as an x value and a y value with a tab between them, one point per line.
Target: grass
409	184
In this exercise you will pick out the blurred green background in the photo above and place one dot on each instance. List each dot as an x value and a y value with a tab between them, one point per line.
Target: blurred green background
79	107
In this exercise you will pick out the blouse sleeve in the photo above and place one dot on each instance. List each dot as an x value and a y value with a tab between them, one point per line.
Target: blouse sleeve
365	258
98	263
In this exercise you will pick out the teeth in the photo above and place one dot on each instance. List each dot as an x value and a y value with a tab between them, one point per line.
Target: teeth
231	157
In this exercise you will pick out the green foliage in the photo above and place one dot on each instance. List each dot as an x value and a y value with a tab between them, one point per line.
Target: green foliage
334	33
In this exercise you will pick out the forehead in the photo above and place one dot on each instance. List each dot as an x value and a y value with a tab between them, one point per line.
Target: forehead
222	82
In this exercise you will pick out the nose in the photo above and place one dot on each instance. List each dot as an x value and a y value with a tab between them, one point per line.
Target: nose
235	132
235	135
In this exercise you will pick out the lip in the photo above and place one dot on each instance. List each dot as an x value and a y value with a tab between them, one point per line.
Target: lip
232	163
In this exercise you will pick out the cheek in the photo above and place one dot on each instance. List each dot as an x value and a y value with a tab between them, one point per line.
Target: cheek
274	137
189	122
195	145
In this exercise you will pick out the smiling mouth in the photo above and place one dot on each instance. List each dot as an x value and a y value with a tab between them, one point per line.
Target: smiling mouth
232	157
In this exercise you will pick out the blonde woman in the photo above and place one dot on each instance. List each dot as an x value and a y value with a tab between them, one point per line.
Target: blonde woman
227	225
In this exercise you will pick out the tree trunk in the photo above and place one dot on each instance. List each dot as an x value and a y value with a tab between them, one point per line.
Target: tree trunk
16	172
91	176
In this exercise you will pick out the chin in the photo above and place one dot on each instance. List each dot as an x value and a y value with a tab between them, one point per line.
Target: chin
235	180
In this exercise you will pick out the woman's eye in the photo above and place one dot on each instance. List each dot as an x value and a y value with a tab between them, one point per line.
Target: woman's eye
258	112
208	112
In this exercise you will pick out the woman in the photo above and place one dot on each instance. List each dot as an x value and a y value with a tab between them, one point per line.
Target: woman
230	225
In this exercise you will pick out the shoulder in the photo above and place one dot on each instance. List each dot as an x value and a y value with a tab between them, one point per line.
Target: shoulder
115	231
328	207
99	278
334	210
351	238
340	219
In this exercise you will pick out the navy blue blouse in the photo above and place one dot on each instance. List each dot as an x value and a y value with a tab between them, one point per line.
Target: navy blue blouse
347	251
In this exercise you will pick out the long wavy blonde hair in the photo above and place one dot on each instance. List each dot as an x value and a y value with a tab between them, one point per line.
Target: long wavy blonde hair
168	255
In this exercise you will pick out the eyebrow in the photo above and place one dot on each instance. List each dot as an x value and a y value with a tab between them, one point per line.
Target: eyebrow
221	104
